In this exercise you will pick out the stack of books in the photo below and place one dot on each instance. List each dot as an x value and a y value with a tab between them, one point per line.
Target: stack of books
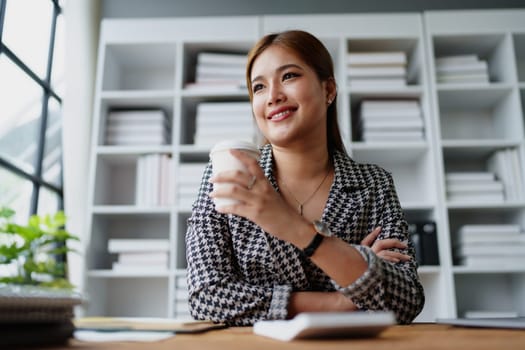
377	70
217	121
153	186
219	71
181	297
494	246
137	127
506	165
139	255
423	235
188	183
461	69
476	187
33	316
390	120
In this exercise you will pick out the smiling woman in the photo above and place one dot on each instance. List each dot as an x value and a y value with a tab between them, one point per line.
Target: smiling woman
315	231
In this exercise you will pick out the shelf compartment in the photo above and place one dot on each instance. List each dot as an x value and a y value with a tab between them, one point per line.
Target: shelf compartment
132	101
412	47
480	113
496	291
132	225
147	66
189	121
434	284
477	216
128	297
116	178
411	167
192	50
519	50
495	49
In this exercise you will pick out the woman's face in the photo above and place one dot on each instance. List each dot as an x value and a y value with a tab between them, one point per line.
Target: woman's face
289	102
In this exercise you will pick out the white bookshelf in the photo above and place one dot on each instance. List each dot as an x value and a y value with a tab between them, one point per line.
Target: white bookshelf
474	120
149	62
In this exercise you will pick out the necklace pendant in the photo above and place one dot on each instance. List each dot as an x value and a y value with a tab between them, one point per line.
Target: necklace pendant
301	209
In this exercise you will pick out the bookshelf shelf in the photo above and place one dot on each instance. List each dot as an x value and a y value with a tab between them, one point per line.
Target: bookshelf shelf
157	64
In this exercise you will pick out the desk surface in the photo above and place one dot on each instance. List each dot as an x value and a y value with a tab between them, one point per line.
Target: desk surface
416	336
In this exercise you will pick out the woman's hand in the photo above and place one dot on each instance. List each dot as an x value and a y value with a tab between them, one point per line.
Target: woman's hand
382	247
258	200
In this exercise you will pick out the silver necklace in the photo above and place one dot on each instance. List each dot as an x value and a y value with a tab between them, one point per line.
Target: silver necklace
301	205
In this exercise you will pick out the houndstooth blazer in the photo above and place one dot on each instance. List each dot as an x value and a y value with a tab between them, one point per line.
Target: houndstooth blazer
238	274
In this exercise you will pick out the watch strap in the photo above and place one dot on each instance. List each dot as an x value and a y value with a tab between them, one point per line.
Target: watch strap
314	244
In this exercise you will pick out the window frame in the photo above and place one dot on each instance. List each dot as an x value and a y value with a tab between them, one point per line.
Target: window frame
48	93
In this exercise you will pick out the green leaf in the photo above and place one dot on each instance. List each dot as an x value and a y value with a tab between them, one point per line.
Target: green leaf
6	212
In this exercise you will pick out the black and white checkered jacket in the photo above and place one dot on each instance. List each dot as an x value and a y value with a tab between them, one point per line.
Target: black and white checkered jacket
239	274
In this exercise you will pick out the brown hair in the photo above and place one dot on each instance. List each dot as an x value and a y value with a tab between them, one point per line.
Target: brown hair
315	55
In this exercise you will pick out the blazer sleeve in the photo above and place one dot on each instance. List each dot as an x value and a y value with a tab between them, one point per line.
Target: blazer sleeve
386	285
217	291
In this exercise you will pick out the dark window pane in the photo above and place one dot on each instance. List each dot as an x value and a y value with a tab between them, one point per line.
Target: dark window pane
21	105
15	193
27	30
52	163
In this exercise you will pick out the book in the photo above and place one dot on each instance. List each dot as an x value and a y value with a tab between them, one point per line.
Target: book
415	236
492	262
489	229
219	58
499	249
456	59
429	244
379	71
478	67
388	136
475	197
377	84
326	324
115	324
392	126
482	176
481	187
119	245
154	258
377	58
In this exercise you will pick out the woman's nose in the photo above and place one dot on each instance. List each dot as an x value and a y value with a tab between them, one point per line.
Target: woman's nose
275	95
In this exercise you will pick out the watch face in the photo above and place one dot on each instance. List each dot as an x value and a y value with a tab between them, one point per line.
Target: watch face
322	228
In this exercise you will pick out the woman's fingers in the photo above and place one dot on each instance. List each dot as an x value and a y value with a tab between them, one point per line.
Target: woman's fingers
371	237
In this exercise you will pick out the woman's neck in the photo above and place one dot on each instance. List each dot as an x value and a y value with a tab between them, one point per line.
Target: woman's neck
301	164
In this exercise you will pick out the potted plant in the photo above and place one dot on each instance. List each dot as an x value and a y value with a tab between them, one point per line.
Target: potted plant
33	249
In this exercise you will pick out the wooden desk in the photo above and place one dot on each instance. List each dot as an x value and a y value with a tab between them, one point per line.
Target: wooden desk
417	337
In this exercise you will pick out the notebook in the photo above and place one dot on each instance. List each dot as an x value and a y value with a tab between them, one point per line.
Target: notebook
491	322
326	324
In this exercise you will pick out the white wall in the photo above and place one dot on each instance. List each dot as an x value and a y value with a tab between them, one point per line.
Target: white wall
82	18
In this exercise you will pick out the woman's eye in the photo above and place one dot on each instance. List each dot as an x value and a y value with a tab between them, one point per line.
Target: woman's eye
257	87
289	75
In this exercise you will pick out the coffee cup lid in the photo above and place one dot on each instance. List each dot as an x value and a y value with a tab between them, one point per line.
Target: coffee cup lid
235	144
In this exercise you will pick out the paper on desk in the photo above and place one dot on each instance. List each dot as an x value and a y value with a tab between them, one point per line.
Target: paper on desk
136	336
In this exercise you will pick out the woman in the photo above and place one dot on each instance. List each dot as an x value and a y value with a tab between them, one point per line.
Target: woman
297	241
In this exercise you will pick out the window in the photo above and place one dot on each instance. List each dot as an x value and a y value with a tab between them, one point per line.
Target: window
31	86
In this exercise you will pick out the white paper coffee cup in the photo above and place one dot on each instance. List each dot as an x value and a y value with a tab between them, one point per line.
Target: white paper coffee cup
223	160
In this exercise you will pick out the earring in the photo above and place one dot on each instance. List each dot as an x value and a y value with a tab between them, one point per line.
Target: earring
329	101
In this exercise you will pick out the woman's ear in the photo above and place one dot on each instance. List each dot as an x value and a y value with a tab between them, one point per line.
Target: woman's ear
331	90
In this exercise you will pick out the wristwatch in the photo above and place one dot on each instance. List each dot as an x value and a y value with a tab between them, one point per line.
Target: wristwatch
322	231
